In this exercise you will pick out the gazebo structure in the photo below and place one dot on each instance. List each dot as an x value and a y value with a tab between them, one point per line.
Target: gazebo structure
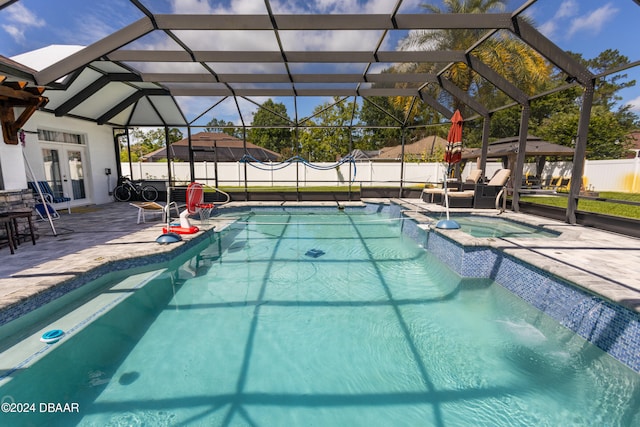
508	149
140	73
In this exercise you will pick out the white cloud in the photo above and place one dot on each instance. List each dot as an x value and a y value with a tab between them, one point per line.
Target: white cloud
202	7
352	6
338	6
594	21
16	33
567	9
89	30
549	28
337	40
21	20
23	16
635	104
190	6
247	7
567	20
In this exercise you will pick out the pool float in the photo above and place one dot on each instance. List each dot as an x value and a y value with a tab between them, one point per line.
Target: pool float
52	336
185	226
181	230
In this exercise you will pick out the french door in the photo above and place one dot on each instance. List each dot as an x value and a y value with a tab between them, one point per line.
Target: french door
64	170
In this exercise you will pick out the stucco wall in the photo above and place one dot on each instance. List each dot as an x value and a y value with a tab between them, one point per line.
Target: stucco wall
13	167
99	155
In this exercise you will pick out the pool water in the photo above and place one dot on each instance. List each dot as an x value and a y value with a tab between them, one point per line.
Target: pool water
485	226
327	320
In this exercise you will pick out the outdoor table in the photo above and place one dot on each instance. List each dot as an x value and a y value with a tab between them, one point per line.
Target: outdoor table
8	226
14	215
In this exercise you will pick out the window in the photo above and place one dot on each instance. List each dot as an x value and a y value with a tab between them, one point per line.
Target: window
58	136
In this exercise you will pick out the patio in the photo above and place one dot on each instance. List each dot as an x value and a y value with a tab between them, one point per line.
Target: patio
604	263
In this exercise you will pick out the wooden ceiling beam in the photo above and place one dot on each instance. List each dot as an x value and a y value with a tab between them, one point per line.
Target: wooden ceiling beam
17	94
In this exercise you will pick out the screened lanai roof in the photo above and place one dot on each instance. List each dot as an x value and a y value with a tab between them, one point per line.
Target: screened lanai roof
176	63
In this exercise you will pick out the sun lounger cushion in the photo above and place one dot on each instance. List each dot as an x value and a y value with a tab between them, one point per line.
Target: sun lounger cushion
144	207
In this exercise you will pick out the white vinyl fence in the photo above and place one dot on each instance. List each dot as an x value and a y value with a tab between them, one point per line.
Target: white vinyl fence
601	175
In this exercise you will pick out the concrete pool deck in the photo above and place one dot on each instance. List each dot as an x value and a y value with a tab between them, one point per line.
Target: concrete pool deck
604	263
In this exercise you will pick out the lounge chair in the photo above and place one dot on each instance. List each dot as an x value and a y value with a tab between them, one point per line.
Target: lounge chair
484	196
153	207
49	195
434	195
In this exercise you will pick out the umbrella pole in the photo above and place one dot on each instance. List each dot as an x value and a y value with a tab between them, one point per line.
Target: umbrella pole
446	193
447	223
451	156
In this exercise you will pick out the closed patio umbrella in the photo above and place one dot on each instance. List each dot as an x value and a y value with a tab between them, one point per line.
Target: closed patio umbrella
452	155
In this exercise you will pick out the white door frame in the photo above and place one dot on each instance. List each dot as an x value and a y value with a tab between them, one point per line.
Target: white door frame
66	175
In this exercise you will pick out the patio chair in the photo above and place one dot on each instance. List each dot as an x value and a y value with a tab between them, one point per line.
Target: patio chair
488	195
484	196
434	195
50	197
563	184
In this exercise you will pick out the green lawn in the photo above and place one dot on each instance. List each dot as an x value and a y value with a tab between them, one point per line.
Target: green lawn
596	206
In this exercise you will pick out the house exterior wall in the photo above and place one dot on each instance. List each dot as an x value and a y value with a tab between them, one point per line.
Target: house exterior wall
12	166
98	155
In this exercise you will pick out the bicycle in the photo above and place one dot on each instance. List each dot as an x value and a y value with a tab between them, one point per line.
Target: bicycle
128	188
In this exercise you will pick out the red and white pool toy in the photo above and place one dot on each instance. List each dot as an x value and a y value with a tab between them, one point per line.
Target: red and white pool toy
181	230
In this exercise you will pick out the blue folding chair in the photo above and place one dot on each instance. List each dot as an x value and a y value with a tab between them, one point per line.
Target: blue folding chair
41	210
48	194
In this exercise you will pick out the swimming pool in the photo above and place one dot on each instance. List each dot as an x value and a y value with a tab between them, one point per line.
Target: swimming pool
316	318
487	226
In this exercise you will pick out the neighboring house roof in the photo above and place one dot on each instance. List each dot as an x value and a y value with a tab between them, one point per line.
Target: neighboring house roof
213	146
633	150
426	146
635	136
358	154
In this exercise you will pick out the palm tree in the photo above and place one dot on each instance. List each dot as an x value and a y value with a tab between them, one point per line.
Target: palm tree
503	52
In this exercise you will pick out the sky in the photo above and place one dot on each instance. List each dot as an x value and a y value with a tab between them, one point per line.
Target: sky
583	26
